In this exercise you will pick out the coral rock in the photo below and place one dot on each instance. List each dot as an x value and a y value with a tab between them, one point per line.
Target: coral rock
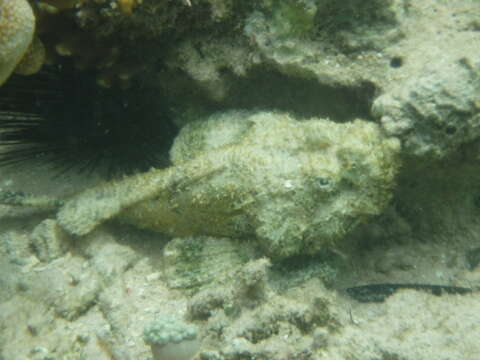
17	25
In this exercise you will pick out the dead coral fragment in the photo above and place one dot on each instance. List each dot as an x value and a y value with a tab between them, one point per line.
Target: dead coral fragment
17	26
171	338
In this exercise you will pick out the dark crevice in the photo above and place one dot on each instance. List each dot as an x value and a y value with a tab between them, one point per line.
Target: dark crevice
62	119
267	89
305	97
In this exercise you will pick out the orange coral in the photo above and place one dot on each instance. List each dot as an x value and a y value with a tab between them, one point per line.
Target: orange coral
127	6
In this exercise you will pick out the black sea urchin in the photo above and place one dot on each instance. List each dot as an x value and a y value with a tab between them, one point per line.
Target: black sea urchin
62	118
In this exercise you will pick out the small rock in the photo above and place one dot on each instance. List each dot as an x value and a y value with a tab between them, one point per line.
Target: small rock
49	240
